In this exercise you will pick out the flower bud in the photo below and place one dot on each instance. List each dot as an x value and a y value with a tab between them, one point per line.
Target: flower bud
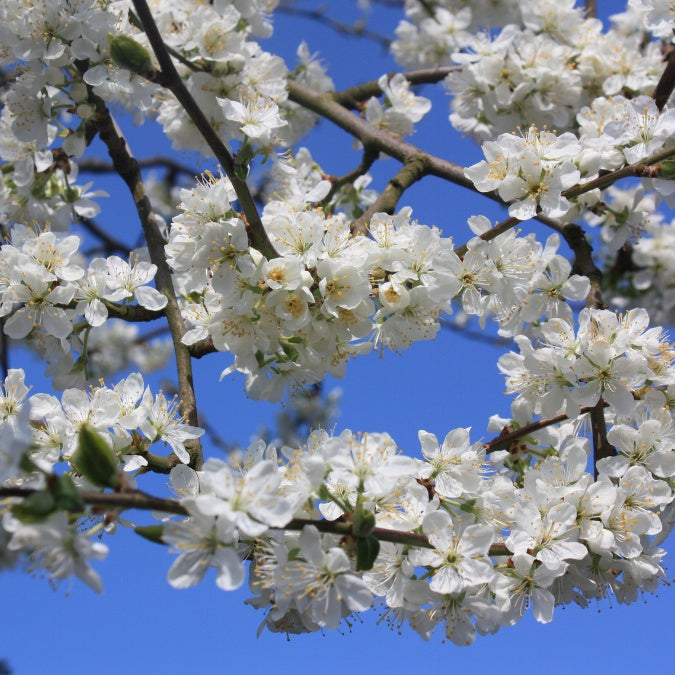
129	54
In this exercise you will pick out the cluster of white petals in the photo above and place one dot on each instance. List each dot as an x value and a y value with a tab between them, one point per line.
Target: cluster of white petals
128	417
546	63
463	536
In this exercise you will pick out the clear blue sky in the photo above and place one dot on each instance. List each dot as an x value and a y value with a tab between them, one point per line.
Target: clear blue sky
141	625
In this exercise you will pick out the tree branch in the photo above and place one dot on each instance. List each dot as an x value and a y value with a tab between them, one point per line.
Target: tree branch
409	173
584	264
98	166
170	79
350	98
602	448
506	438
145	502
357	29
369	157
129	171
110	243
665	85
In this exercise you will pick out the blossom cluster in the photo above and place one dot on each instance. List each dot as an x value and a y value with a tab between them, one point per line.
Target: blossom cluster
546	63
493	549
332	295
46	292
610	357
464	535
532	171
461	545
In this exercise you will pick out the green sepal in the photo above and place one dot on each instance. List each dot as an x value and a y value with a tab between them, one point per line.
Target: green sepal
667	168
66	495
151	533
27	465
244	155
129	54
323	493
367	549
35	508
95	460
364	523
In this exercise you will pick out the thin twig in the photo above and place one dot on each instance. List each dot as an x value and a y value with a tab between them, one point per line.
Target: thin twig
665	85
590	9
99	166
352	97
337	182
505	439
357	29
170	79
110	243
129	171
387	200
602	448
145	502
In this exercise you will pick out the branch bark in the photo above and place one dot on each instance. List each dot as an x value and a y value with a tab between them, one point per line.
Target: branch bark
170	79
128	169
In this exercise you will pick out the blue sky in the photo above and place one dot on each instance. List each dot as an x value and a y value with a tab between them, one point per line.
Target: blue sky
141	625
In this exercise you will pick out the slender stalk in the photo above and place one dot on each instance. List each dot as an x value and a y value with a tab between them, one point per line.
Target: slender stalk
505	439
369	157
110	243
170	79
135	499
352	97
387	200
127	167
357	29
666	84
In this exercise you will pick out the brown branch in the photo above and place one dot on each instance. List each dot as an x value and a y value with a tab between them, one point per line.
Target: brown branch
371	137
475	335
110	243
665	85
492	233
646	168
337	182
326	106
170	79
99	166
602	448
141	500
357	29
584	264
408	174
128	169
133	313
202	348
134	499
507	438
352	97
590	9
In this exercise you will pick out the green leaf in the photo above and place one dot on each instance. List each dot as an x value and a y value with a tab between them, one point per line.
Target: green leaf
151	533
95	460
35	508
66	494
367	549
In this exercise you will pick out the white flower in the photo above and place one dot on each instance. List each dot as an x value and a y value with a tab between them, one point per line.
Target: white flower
258	117
56	546
321	582
162	423
203	542
460	553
